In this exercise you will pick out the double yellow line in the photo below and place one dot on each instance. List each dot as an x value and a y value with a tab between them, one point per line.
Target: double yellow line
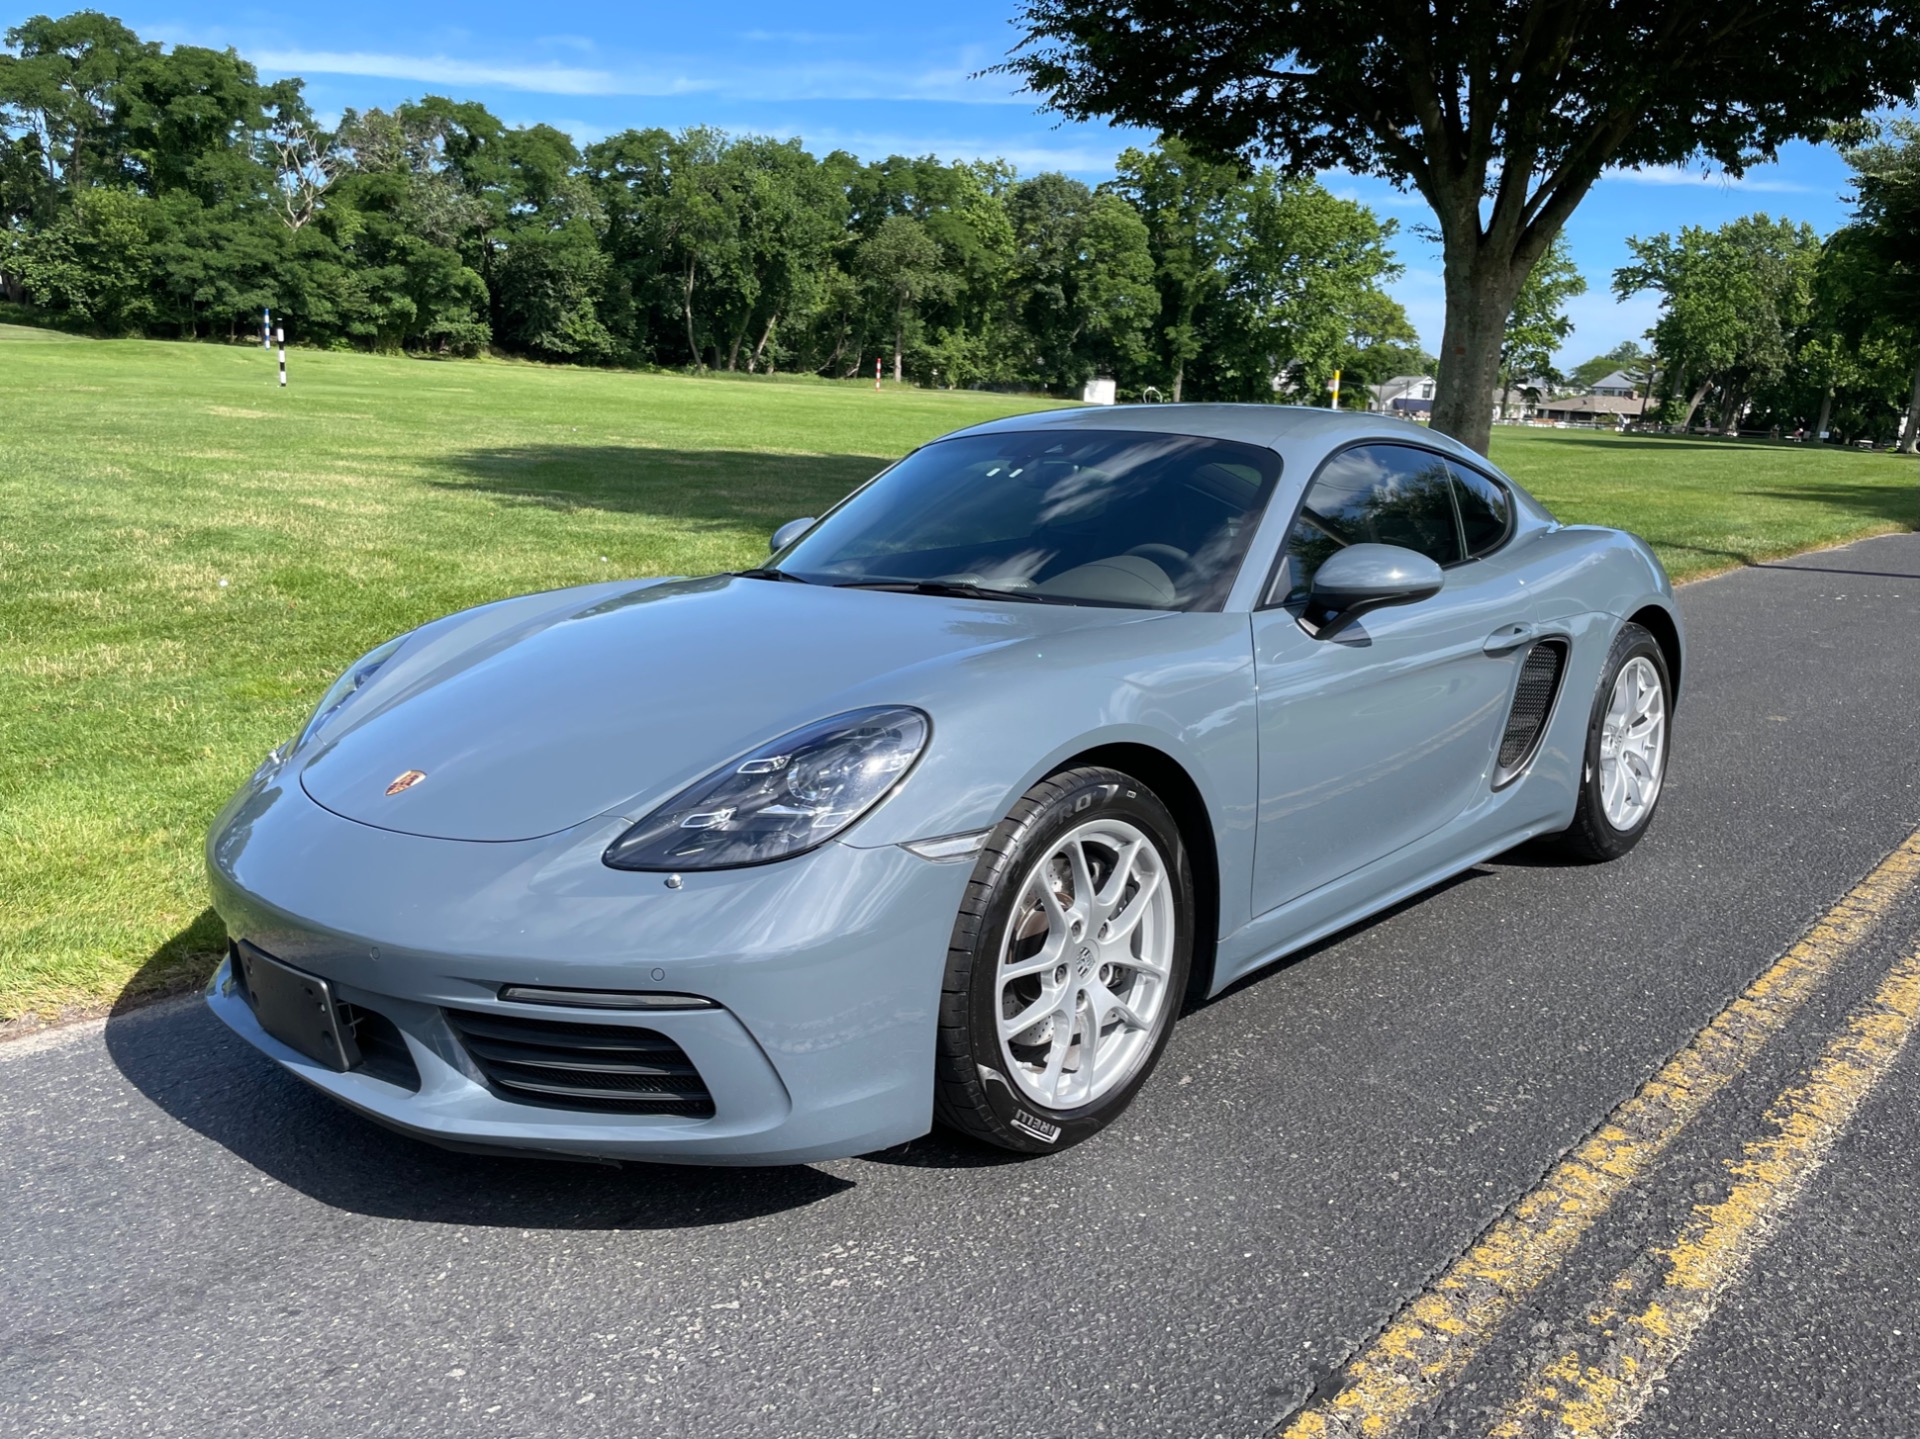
1401	1375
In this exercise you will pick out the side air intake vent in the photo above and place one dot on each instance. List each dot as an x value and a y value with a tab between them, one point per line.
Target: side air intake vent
1533	701
582	1066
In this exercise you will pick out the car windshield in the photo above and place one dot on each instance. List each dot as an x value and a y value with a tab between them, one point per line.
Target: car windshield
1102	517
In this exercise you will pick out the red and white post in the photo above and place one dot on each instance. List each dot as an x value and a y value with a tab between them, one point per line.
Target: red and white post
876	372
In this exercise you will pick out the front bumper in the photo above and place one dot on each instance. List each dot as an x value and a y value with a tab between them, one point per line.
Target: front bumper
825	974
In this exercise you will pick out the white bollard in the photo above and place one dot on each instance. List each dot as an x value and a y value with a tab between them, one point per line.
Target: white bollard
266	329
280	334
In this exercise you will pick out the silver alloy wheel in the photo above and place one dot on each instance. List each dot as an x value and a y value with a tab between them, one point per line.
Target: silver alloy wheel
1081	986
1633	744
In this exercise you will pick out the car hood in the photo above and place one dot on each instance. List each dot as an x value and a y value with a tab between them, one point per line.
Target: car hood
530	717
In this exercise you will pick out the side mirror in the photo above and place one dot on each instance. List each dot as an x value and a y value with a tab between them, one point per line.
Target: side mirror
789	532
1368	577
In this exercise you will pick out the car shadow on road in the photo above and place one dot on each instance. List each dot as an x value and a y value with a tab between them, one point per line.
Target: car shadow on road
211	1081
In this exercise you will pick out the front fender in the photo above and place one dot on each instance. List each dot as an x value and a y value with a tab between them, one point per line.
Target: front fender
1181	684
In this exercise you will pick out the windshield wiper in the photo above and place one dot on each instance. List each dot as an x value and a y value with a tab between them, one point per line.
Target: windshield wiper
768	572
954	589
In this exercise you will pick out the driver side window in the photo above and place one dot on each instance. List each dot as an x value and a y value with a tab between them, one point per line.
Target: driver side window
1373	494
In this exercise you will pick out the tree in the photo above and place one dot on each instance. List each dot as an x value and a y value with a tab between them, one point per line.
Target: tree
1501	116
405	217
1732	300
903	267
1627	356
1192	224
791	216
1303	292
63	89
1083	296
97	262
1539	324
1887	202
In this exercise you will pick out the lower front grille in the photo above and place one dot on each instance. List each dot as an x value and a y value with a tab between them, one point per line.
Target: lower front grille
383	1053
608	1067
1532	702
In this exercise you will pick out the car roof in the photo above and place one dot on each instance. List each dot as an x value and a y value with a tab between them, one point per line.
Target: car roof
1295	430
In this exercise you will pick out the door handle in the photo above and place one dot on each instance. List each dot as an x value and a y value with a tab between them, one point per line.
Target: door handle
1509	637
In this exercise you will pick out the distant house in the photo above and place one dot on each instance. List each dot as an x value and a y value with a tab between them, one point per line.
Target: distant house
1518	403
1403	395
1618	385
1590	409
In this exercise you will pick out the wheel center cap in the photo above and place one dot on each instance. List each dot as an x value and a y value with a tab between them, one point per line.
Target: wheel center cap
1086	960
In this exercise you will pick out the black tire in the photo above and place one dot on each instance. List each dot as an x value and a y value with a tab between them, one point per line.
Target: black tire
973	1091
1592	838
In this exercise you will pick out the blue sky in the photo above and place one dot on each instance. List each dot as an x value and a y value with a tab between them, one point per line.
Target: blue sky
874	79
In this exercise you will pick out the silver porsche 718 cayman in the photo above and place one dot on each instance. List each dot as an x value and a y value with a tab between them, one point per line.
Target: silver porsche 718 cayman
942	813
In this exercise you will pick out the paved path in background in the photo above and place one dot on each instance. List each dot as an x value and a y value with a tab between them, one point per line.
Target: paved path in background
195	1244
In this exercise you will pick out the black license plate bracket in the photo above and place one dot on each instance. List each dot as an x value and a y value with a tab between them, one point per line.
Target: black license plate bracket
298	1009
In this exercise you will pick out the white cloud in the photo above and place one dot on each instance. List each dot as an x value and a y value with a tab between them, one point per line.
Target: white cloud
1679	175
948	80
1094	160
444	70
796	37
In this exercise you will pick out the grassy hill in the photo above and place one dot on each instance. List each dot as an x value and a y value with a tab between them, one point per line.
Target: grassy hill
189	555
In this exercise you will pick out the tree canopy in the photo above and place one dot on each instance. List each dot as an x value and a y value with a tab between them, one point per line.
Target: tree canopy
1502	116
1762	325
1732	301
173	192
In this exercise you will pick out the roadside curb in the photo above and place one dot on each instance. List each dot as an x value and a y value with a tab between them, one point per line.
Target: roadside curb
59	1033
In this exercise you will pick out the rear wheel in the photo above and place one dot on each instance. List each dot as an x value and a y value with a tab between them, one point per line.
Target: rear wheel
1628	737
1068	963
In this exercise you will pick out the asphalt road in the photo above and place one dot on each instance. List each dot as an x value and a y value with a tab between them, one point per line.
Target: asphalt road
191	1243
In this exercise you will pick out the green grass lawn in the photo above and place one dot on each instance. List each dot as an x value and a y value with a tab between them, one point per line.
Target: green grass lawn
188	556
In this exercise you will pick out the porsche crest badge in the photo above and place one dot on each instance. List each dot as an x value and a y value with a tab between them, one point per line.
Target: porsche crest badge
406	781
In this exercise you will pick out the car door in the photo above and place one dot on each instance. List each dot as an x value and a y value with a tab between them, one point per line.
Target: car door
1386	729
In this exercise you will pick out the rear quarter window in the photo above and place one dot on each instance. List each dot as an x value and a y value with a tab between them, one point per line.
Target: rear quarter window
1486	511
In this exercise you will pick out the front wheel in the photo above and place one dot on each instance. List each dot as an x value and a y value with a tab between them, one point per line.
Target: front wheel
1068	963
1628	736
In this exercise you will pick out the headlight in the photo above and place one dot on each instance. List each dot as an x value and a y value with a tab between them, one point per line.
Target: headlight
358	675
781	800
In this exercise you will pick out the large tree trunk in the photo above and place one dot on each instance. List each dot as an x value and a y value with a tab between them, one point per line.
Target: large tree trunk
739	339
753	360
833	360
1730	415
1179	380
1910	431
1826	414
1686	420
686	311
899	343
1480	294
